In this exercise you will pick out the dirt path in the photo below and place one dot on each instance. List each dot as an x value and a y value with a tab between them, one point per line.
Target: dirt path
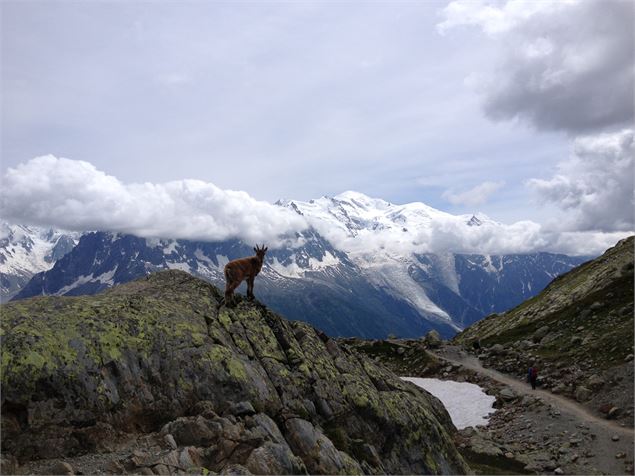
601	446
455	355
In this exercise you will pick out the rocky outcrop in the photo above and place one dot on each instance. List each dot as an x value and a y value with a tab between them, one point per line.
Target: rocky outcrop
239	390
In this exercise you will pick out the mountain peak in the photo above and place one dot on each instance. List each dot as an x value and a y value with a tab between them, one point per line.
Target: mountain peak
474	221
361	200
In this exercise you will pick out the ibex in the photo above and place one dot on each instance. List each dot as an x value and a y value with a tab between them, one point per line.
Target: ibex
243	268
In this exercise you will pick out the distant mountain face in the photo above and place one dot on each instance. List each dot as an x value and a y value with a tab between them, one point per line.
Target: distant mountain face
372	284
27	250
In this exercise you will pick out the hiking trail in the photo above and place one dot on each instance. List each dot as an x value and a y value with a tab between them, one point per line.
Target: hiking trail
455	355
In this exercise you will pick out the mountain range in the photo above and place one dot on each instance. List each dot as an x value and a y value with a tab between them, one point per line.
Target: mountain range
361	268
27	250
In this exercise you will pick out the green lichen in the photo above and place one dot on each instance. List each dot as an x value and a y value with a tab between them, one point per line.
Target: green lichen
431	463
224	319
304	368
236	369
225	357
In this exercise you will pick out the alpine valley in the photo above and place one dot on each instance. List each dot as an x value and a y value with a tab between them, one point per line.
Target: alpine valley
355	272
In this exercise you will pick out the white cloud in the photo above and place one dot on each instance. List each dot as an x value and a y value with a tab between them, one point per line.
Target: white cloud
493	19
380	231
564	66
474	196
74	195
594	187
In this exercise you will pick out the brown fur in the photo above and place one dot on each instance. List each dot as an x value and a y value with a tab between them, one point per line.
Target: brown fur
243	269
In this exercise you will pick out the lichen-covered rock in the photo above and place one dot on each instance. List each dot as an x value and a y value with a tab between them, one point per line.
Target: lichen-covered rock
240	389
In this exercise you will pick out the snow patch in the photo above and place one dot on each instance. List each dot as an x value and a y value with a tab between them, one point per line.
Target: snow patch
291	270
108	276
327	260
104	278
78	282
222	261
170	248
181	266
200	256
467	403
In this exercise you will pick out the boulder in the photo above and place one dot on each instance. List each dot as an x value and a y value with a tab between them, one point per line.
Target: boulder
540	333
61	467
115	467
484	447
274	458
318	452
496	349
433	339
198	431
595	382
507	394
525	344
241	408
170	441
235	469
582	394
596	305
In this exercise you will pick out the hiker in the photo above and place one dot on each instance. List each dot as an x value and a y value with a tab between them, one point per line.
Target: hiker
532	376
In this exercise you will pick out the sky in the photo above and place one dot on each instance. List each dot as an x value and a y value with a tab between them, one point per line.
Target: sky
117	112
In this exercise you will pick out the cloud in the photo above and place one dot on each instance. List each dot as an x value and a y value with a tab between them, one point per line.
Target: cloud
475	196
381	231
74	195
595	185
452	234
494	20
565	65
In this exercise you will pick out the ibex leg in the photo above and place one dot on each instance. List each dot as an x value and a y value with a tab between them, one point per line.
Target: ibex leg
250	288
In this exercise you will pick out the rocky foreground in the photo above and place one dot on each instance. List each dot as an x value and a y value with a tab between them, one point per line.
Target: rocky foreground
149	378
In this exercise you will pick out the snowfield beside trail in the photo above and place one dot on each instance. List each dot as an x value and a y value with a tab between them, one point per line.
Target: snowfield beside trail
467	403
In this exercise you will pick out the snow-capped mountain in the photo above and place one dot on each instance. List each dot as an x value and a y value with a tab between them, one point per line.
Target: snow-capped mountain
27	250
366	268
392	246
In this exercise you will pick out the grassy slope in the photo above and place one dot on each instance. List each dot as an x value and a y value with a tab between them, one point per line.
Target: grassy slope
565	306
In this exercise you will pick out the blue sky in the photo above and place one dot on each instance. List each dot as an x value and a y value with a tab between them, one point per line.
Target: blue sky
406	101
